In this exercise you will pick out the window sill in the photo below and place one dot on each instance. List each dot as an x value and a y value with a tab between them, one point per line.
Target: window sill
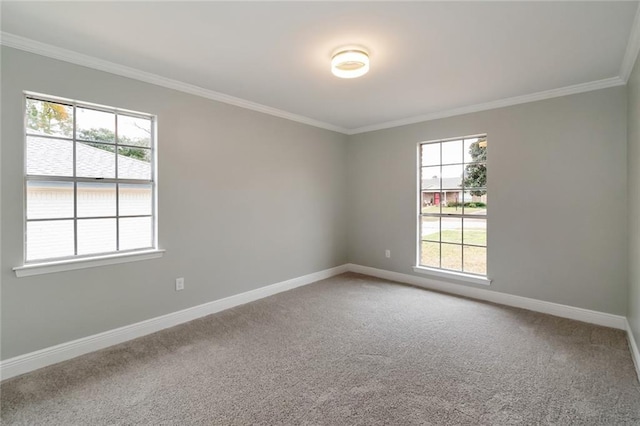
87	262
458	276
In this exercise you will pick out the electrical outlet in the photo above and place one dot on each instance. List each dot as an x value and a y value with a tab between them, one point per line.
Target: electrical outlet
179	284
387	254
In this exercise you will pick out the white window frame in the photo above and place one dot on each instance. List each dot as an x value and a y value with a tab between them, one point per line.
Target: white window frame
39	266
442	272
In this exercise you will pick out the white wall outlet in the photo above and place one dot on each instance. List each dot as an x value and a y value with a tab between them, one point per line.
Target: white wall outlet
387	254
179	284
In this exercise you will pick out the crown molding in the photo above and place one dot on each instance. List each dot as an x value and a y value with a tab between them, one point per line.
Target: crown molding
633	48
501	103
44	49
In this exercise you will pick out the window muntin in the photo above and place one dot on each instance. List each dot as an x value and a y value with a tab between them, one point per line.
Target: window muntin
452	207
89	182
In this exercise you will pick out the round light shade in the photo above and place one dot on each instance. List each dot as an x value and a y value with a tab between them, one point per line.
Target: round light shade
350	63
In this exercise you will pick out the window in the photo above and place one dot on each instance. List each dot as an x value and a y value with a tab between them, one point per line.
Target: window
453	205
90	186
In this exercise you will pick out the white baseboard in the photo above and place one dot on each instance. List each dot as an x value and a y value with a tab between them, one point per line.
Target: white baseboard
34	360
564	311
633	347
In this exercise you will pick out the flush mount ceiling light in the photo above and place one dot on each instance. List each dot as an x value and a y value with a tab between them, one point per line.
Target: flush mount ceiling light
350	63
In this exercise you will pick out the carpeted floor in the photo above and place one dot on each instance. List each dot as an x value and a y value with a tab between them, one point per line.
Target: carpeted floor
347	350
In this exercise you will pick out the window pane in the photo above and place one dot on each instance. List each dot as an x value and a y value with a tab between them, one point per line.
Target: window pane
49	239
135	233
475	204
96	236
468	143
475	260
430	255
49	157
475	150
431	154
134	163
452	257
135	200
452	152
134	131
475	231
49	200
95	125
452	230
96	199
475	176
95	160
49	118
451	203
430	228
431	201
431	178
452	179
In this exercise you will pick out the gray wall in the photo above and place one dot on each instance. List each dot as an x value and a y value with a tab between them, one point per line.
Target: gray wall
557	189
245	200
633	164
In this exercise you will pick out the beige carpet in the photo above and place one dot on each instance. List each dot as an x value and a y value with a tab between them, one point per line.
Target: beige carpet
347	350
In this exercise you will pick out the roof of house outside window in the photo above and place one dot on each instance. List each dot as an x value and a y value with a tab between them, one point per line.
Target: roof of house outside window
46	155
448	184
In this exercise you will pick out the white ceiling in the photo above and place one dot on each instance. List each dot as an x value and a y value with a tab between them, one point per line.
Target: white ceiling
426	57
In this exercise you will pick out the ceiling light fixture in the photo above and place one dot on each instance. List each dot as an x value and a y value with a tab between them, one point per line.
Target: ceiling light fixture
350	63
